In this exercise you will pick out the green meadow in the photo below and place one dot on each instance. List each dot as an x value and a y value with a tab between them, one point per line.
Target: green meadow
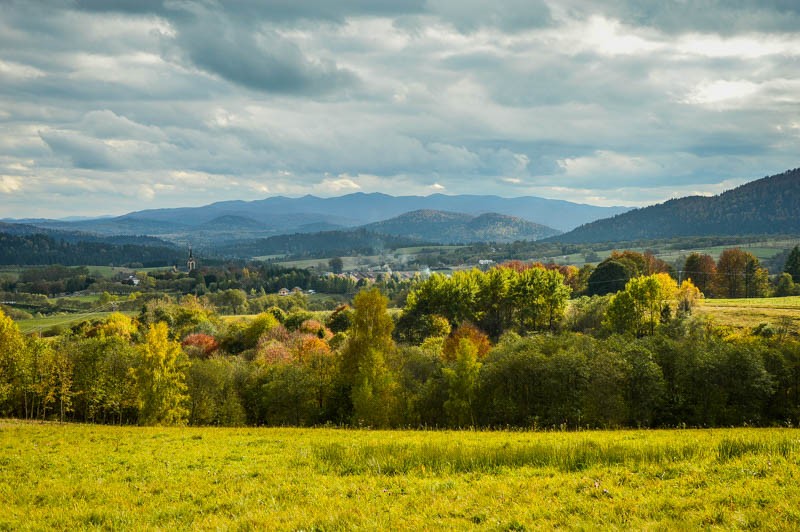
70	476
750	313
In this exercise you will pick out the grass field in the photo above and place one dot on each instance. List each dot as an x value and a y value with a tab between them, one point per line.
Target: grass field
740	313
76	477
61	320
110	271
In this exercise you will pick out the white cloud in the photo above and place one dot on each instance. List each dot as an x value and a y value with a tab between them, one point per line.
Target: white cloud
10	69
341	184
721	91
607	163
10	184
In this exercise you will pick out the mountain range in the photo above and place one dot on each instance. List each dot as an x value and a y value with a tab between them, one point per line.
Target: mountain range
770	205
282	215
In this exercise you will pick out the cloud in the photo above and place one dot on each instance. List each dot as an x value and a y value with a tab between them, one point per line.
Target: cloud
260	60
183	103
339	185
81	151
10	184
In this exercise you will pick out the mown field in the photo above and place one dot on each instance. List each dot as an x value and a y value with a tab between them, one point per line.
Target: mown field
749	313
62	320
75	477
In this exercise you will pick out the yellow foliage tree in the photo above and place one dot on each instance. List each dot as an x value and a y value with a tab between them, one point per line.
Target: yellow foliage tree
160	379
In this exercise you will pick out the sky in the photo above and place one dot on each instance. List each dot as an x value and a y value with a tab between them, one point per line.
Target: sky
165	103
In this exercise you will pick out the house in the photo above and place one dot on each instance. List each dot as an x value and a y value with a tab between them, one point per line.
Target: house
283	292
131	280
297	290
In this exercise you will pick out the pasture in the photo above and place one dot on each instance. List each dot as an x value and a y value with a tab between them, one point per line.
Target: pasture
62	320
56	476
750	313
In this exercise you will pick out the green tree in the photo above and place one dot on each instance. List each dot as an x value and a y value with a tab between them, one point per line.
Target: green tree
604	401
785	285
336	264
160	379
610	276
363	365
462	381
792	266
235	299
622	315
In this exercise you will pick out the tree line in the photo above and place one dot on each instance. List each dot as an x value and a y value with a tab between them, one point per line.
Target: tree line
490	349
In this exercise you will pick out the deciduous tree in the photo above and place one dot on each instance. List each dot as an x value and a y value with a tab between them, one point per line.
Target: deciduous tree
160	379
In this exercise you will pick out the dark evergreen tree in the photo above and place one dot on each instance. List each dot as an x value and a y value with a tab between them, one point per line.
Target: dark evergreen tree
792	266
610	276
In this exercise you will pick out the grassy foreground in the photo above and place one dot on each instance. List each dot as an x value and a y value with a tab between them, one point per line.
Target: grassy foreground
77	476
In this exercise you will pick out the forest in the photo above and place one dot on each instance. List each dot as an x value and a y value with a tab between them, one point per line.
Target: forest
506	347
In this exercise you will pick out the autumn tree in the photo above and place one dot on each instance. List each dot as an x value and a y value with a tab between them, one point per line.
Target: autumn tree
471	334
160	379
687	296
12	361
639	307
701	270
739	274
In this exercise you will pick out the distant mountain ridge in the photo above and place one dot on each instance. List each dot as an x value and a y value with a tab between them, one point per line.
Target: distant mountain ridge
770	205
444	227
282	215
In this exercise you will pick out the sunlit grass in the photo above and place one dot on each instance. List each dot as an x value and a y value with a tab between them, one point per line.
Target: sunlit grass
750	313
62	320
77	476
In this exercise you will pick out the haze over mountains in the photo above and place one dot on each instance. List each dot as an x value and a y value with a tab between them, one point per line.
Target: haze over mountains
361	221
223	221
770	205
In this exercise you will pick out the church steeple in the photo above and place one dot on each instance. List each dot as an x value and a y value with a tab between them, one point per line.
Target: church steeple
191	264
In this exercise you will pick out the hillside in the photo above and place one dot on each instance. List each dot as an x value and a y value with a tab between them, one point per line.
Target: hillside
770	205
39	249
452	228
326	243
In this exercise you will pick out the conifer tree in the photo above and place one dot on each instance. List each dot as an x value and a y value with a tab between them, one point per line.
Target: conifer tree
792	266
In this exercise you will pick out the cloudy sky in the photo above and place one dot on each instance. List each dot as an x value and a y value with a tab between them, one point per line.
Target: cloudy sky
168	103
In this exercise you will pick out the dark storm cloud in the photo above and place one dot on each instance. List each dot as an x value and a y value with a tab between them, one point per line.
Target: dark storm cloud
262	61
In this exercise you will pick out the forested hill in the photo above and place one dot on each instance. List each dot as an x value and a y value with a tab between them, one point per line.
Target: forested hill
44	250
457	228
326	243
767	206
